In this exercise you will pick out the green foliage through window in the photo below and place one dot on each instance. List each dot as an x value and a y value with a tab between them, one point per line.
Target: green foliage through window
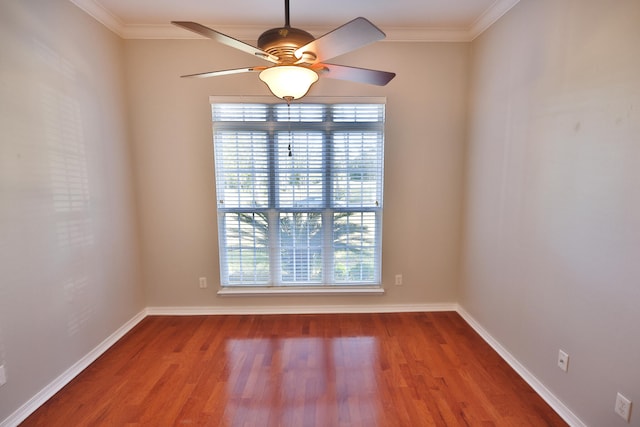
299	192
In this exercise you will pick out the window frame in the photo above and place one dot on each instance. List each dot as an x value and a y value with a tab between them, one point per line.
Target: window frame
321	288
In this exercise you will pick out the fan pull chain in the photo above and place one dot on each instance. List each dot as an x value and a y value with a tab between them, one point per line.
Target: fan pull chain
289	123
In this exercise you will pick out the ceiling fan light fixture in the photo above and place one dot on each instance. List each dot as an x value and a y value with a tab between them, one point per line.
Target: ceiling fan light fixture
289	81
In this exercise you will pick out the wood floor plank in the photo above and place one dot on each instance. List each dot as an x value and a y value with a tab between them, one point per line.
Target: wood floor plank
387	370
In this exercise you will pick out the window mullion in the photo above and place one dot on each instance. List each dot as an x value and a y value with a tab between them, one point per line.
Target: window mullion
327	252
327	217
378	247
273	213
274	246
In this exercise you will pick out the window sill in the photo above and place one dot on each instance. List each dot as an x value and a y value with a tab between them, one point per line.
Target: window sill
293	291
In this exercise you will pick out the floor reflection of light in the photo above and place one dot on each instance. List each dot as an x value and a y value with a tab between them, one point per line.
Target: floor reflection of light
289	381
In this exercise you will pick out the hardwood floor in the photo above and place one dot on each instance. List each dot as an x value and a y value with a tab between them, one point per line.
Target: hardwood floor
409	369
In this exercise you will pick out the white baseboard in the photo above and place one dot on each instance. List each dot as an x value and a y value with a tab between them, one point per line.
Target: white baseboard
539	388
288	309
56	385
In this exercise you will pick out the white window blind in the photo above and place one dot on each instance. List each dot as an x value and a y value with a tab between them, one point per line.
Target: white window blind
299	191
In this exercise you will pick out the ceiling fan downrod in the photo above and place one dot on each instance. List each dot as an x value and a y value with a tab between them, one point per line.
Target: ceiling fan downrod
284	41
286	14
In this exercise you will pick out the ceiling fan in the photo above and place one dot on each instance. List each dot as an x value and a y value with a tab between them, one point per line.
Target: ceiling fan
298	58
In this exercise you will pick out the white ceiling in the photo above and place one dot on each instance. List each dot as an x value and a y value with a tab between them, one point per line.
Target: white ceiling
406	20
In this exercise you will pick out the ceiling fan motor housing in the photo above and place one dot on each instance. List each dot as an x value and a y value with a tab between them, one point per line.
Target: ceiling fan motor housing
283	42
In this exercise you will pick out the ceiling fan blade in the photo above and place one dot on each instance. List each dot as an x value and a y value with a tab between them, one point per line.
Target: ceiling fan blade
351	36
225	39
226	72
354	74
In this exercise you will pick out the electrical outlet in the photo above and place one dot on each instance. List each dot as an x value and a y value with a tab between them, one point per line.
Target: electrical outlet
3	376
203	282
623	407
398	279
563	360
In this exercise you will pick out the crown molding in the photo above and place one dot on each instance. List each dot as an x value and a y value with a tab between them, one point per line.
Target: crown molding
490	16
251	33
101	14
407	34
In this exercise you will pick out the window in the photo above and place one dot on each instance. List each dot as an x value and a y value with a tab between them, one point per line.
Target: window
299	193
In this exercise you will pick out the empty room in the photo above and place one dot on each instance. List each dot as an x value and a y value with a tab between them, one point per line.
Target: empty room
301	213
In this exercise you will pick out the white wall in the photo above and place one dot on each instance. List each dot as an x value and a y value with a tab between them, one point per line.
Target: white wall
552	218
174	165
69	263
